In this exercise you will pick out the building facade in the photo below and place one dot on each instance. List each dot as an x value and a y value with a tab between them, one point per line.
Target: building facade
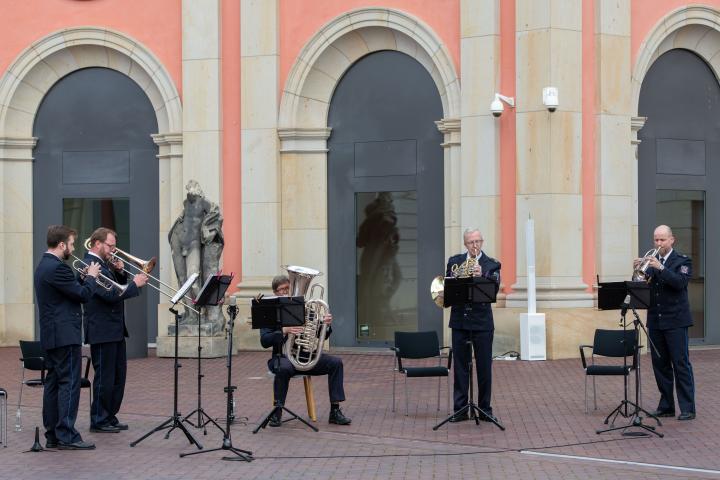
357	138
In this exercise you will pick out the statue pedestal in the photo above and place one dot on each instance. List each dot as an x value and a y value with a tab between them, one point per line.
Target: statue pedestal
212	340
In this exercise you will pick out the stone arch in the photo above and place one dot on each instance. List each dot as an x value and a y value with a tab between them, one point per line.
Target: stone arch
337	45
695	28
39	66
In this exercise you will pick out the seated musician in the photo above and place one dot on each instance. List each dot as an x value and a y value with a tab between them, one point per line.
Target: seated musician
284	370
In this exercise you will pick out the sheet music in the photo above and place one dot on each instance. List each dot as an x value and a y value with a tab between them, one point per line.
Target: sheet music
184	289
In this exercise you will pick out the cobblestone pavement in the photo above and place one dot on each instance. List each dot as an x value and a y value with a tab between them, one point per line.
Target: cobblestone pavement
541	404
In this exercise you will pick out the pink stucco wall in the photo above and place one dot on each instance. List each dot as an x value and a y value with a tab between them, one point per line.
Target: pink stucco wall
156	24
645	14
301	19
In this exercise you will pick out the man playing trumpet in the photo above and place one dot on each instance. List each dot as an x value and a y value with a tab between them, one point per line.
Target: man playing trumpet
668	320
105	331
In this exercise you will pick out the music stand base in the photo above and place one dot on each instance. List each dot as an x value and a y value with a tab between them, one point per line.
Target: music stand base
171	423
201	414
474	413
241	455
636	420
280	409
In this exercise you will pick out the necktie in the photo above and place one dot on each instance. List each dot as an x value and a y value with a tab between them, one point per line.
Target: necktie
662	260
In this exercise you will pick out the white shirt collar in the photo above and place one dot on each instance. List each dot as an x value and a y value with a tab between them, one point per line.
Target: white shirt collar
97	256
664	259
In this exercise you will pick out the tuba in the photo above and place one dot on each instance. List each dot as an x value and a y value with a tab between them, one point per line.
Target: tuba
437	287
304	350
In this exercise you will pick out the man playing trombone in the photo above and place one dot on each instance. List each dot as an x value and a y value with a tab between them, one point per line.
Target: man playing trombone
105	331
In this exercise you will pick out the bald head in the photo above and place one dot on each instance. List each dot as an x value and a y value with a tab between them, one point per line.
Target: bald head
663	239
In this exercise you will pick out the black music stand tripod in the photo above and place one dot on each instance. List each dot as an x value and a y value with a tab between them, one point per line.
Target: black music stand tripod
275	313
175	420
241	455
463	291
638	296
211	294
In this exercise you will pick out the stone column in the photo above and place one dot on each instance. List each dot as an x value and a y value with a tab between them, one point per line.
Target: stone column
170	157
450	128
615	165
549	53
261	240
479	174
636	124
202	103
17	312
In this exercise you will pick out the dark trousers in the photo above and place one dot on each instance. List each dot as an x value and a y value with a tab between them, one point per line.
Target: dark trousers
110	365
327	365
462	356
61	394
671	364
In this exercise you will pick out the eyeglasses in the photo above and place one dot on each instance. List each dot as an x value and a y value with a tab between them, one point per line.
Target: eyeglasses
110	245
473	242
285	289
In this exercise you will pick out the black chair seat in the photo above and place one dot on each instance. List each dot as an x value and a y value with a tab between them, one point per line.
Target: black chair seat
608	370
35	382
426	371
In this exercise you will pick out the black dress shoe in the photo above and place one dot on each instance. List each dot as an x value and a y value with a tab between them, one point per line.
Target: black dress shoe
664	413
487	418
120	426
104	429
686	416
51	444
461	417
337	417
79	445
275	421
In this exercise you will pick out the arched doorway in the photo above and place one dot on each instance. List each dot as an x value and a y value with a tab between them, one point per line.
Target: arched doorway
385	199
95	165
677	174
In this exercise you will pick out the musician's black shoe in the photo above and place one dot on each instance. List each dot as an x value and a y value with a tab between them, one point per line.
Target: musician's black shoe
664	413
275	420
80	445
487	418
686	416
337	417
51	443
459	417
104	429
120	426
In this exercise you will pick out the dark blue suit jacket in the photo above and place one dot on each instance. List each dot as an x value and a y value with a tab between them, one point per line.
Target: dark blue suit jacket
104	314
476	316
59	296
669	306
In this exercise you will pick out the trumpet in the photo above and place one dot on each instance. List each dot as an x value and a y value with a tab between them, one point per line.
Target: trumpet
103	281
640	273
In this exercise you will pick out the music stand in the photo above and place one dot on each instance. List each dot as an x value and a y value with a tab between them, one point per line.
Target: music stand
240	454
174	421
212	293
462	291
275	313
611	296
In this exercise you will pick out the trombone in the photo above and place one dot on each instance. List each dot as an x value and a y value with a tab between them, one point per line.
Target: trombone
105	282
143	266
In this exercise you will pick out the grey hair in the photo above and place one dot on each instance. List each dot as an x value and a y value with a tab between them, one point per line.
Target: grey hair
468	231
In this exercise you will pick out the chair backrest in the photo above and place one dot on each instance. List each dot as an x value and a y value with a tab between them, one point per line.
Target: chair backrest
32	351
615	343
417	344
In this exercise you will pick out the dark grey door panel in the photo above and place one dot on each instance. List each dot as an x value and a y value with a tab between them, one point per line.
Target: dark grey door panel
385	200
93	129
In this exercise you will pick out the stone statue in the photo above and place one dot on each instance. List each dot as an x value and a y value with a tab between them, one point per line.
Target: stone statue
196	243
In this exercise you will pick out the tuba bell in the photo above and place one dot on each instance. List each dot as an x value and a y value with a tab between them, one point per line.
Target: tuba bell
304	350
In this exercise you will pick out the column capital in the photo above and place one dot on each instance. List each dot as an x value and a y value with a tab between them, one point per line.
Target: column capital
17	148
450	127
304	140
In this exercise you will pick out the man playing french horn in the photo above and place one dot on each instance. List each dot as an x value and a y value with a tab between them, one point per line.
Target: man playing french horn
472	323
284	370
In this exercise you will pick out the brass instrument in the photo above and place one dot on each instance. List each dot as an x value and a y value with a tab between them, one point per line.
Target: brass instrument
304	350
103	281
143	266
463	270
640	273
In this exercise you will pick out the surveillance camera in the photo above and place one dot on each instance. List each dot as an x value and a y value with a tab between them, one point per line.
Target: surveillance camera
496	107
550	98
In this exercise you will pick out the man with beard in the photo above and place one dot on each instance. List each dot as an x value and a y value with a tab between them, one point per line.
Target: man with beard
59	296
